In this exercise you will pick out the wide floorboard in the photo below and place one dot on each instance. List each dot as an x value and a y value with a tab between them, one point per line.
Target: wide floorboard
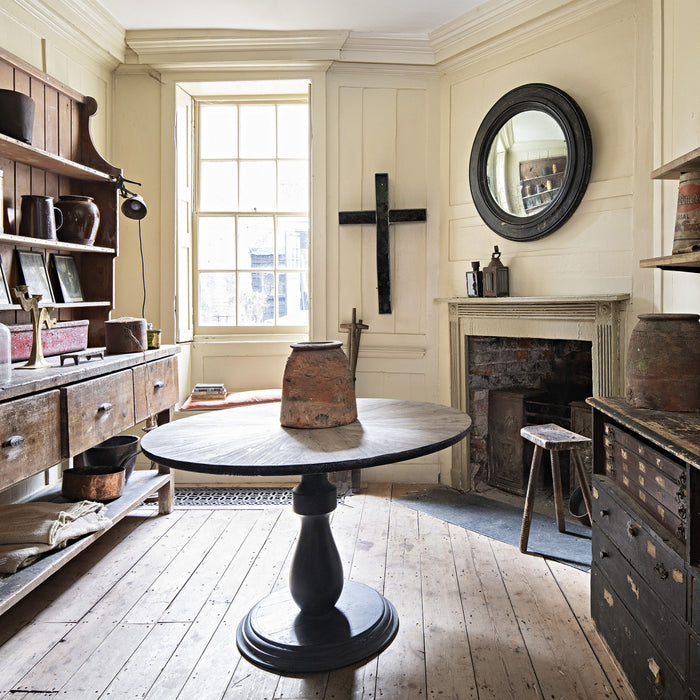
151	610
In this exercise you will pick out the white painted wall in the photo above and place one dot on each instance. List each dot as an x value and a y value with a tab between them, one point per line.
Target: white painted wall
629	63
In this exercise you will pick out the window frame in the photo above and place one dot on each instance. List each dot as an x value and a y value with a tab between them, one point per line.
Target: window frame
201	330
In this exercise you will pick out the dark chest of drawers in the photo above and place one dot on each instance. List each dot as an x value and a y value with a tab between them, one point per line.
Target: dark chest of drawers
645	577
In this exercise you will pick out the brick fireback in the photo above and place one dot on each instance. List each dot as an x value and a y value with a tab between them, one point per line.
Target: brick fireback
561	368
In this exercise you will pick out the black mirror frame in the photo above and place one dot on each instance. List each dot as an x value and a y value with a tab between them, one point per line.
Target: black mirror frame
566	112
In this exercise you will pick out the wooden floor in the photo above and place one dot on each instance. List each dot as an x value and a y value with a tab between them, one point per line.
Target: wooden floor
151	609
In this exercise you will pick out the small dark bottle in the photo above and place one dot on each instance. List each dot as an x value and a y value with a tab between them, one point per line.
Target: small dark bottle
475	281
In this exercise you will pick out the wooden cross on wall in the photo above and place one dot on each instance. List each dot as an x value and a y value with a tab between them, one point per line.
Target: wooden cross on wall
382	216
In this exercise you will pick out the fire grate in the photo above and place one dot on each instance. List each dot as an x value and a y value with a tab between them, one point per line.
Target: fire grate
217	497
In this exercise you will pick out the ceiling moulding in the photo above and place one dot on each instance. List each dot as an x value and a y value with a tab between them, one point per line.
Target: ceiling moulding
203	70
499	24
85	24
388	48
227	47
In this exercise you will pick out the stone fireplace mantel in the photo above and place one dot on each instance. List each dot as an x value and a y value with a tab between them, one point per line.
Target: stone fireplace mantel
595	318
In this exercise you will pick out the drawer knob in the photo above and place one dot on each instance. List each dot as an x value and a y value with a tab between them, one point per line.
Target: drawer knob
632	531
13	441
602	554
159	384
604	513
104	407
661	571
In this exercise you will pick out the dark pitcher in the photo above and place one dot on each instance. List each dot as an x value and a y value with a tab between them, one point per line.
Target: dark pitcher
40	219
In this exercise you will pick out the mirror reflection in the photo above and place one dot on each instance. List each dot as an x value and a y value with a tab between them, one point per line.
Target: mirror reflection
526	163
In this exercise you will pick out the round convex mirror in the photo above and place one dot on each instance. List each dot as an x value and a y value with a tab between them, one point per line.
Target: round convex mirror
530	163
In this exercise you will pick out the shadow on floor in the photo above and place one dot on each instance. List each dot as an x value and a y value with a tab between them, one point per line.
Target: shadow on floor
501	521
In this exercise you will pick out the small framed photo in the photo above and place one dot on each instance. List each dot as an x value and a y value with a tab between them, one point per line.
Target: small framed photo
33	272
4	290
68	288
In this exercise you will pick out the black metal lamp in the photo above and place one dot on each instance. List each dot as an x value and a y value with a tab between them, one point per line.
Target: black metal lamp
133	207
475	281
496	283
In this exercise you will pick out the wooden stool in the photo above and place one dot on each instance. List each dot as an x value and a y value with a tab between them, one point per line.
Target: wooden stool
555	439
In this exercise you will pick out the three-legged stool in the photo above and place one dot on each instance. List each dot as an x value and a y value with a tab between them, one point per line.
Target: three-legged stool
555	439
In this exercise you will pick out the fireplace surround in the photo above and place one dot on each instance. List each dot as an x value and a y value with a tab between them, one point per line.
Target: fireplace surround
595	318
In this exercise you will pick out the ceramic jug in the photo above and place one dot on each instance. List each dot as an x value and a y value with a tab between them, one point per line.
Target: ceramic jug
40	219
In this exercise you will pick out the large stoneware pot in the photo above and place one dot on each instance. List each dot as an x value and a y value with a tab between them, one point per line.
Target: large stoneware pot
318	390
16	115
663	363
81	217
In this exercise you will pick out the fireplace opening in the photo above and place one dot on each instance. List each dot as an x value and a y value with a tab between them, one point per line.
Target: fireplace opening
515	382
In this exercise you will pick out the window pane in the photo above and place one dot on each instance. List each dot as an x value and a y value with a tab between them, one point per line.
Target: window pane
293	242
256	242
218	187
257	131
217	299
293	192
256	299
216	243
218	131
293	131
257	186
293	299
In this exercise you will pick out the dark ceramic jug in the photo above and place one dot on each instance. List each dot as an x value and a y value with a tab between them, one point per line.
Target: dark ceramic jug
81	217
40	219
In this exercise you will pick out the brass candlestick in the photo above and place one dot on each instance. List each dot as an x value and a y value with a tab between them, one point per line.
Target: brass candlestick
39	316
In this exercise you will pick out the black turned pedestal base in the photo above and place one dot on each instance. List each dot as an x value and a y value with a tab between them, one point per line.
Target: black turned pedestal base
276	636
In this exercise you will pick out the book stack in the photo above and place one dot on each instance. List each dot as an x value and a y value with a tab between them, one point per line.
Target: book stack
208	392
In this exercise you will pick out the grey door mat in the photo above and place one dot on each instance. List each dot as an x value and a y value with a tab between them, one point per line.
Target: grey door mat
502	521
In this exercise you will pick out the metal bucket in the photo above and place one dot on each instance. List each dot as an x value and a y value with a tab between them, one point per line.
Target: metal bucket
117	451
686	235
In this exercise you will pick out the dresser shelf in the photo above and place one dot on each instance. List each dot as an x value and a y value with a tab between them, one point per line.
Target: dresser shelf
684	262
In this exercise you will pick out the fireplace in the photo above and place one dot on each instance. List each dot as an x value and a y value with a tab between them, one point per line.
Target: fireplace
594	323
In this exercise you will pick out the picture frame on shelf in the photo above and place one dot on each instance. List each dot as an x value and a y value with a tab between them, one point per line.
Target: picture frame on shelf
68	287
33	273
4	289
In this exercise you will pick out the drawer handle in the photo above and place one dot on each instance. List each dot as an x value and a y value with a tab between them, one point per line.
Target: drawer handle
604	513
603	554
13	441
104	407
632	531
661	571
159	384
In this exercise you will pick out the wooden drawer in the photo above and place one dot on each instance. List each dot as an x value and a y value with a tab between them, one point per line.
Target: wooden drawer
30	436
694	667
695	600
653	479
650	611
155	387
659	564
650	673
97	409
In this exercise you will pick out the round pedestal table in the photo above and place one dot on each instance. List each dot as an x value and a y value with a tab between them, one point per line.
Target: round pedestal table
321	622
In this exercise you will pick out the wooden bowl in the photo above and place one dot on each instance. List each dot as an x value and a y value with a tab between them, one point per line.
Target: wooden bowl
93	484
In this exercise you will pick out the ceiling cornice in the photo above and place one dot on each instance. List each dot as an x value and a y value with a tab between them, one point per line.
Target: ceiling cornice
83	23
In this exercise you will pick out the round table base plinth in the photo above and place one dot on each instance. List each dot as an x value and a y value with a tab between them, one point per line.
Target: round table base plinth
277	637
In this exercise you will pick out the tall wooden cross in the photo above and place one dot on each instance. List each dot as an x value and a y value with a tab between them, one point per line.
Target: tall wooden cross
382	216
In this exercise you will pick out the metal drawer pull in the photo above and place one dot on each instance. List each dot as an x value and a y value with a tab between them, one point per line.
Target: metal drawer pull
604	513
104	408
159	384
661	571
602	554
13	441
632	531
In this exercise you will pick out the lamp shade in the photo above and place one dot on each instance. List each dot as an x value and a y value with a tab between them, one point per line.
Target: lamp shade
134	207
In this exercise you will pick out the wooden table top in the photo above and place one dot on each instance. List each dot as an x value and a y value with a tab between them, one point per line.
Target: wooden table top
249	440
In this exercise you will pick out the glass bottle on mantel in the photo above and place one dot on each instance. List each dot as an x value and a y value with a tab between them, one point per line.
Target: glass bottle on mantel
5	355
475	281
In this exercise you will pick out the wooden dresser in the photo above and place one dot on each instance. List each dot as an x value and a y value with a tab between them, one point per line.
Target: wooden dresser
48	415
645	577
